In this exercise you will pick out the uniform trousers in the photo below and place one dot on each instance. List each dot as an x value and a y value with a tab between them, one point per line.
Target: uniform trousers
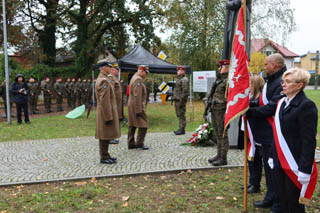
104	149
289	193
180	107
139	142
217	117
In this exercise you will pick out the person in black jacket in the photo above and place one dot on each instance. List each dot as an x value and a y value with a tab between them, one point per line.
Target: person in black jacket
272	92
20	90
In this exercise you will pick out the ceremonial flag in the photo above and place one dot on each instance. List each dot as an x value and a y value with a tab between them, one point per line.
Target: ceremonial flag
238	79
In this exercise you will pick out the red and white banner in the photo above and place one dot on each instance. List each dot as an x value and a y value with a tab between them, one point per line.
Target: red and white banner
251	143
288	163
264	100
238	79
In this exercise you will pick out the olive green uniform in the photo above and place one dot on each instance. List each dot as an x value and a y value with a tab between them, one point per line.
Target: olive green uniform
78	89
218	109
180	96
33	86
85	93
67	93
47	95
73	94
59	89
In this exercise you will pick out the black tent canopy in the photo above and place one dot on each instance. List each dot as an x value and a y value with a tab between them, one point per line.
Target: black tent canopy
140	55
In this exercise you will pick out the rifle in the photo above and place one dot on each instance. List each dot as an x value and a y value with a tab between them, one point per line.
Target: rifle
210	100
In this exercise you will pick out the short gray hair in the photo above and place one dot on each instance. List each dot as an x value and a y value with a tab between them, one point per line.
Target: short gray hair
277	58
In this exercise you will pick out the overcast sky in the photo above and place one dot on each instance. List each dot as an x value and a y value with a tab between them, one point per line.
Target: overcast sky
307	37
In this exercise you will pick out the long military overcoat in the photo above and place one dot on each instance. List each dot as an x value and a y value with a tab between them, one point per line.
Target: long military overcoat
106	110
137	103
118	92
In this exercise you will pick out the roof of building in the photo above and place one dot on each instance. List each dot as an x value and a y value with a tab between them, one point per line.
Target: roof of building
257	44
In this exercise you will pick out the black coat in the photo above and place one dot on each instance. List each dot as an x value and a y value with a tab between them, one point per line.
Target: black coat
299	127
18	97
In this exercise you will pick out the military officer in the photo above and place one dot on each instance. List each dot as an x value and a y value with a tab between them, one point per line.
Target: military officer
78	87
32	95
107	121
59	90
137	109
113	76
218	109
180	96
47	94
67	92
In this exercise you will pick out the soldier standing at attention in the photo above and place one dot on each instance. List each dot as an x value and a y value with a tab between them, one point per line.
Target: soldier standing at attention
137	109
118	92
218	109
32	85
47	94
107	121
67	91
180	96
59	89
78	86
73	92
84	92
89	90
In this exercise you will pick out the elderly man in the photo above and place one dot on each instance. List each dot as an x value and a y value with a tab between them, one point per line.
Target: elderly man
137	109
272	92
180	96
107	121
118	91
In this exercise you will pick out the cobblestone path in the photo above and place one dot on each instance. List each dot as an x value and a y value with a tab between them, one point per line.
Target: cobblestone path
77	158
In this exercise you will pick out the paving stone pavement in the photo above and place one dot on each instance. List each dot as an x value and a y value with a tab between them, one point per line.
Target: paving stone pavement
78	158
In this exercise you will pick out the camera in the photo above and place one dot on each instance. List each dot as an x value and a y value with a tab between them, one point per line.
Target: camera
24	91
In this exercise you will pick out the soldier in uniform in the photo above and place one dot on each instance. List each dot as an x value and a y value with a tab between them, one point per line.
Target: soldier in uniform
78	87
155	90
32	95
113	76
180	96
218	109
107	121
73	92
89	98
67	92
59	90
84	91
47	94
137	109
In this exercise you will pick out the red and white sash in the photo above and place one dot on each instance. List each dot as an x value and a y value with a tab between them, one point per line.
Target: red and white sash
263	100
251	142
288	163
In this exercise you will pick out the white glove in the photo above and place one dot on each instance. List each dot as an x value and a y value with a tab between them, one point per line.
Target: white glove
303	178
270	162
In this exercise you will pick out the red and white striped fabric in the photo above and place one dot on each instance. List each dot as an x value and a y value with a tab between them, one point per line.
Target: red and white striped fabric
264	101
288	163
251	143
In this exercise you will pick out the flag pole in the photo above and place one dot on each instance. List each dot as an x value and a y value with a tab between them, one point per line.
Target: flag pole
245	168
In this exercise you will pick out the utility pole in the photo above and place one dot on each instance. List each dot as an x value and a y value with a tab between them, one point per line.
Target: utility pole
316	72
5	47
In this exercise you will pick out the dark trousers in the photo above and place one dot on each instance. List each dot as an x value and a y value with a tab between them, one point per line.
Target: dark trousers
272	194
288	193
23	107
104	149
140	137
255	168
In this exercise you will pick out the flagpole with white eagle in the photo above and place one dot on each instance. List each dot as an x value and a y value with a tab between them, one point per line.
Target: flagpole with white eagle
238	85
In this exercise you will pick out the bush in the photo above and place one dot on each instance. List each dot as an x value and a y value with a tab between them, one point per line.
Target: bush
312	79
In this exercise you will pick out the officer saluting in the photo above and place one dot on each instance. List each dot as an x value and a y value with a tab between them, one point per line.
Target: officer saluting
107	121
137	107
180	96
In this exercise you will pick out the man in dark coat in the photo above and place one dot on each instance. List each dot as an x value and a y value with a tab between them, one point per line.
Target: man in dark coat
20	90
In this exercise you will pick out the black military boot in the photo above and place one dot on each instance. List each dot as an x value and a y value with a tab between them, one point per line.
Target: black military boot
220	162
175	132
211	160
180	132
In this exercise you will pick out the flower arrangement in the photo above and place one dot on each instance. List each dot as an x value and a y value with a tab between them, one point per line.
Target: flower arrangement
204	136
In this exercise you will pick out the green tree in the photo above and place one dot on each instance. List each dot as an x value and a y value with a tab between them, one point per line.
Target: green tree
257	62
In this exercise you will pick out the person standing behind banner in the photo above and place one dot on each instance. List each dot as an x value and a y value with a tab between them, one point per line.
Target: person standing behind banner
180	97
137	109
118	92
107	121
272	92
218	109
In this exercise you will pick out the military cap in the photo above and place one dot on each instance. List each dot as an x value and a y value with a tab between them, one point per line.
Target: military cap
115	65
224	62
144	67
181	68
104	62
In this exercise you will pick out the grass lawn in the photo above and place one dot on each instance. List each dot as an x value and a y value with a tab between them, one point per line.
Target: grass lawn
215	190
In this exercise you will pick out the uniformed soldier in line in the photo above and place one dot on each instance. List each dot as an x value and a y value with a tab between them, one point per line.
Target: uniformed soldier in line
37	93
78	92
67	92
59	90
84	92
180	96
218	109
114	77
73	92
148	87
89	90
47	94
4	98
155	90
107	120
32	95
137	109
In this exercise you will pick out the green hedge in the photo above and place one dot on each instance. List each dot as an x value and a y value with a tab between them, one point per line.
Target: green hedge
311	82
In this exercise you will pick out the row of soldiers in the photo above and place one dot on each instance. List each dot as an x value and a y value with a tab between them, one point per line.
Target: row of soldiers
76	92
